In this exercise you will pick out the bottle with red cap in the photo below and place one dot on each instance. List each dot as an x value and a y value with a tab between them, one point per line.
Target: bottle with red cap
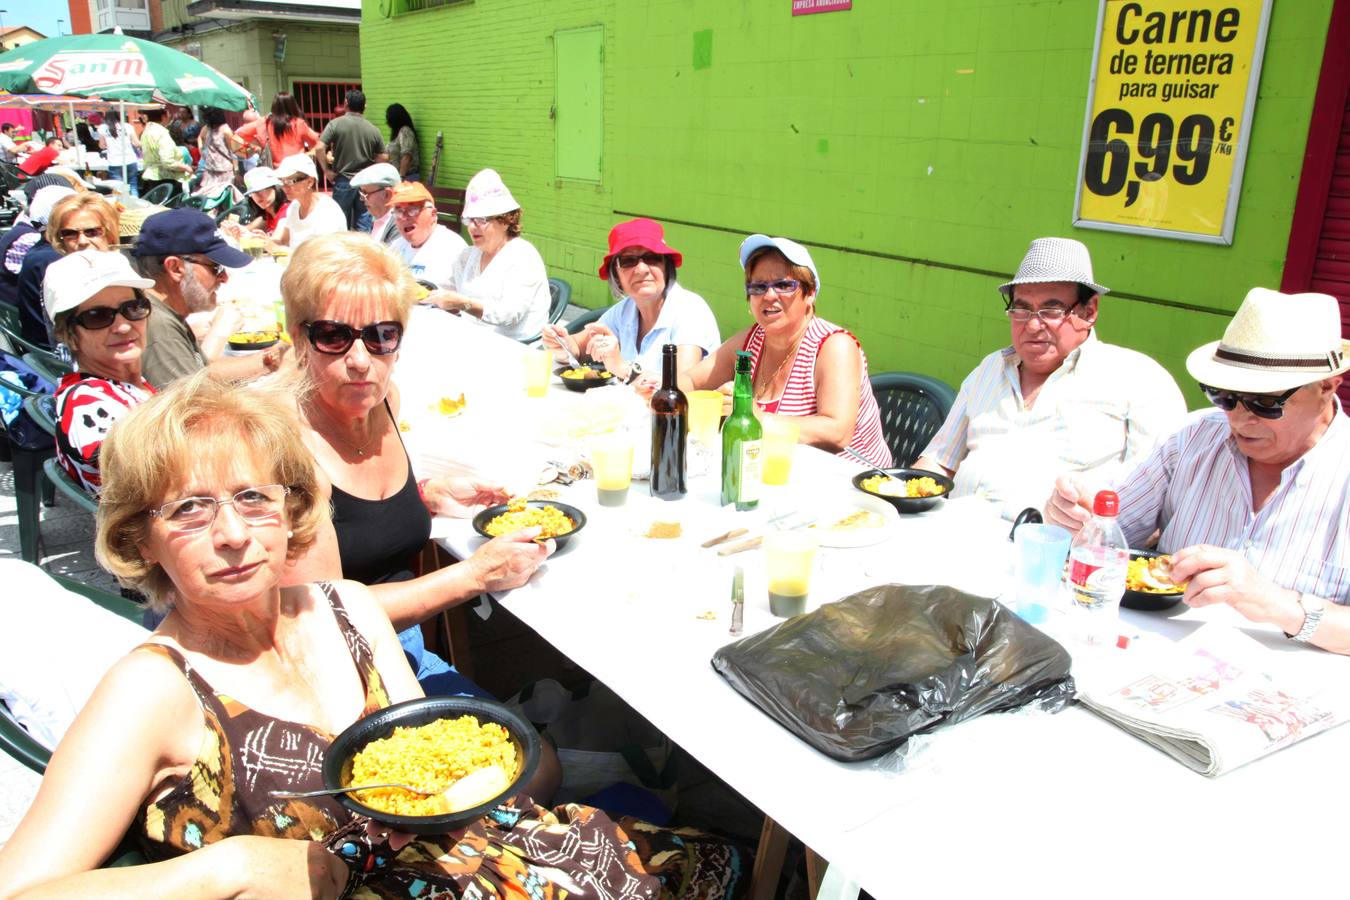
1098	562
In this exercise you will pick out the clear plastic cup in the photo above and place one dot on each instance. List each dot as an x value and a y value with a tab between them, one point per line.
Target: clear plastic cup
789	558
780	443
538	370
612	459
1040	552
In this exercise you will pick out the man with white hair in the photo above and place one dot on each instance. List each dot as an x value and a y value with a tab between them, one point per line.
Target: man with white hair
1057	399
376	184
1252	499
430	249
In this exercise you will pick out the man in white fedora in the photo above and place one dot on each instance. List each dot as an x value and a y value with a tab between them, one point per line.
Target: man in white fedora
1252	499
1057	399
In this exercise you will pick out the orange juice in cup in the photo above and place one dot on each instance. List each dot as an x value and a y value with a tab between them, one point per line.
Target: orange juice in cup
538	368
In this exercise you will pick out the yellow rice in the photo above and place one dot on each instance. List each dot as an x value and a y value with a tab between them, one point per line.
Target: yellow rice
517	516
431	756
911	487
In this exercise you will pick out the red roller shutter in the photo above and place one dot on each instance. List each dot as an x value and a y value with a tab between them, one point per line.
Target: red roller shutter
1319	239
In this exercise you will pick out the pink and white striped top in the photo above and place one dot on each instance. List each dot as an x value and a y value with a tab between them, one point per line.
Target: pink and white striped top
799	394
1195	486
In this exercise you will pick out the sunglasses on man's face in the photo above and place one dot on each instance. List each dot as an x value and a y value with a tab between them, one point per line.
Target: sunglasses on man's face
1265	406
70	234
102	316
336	338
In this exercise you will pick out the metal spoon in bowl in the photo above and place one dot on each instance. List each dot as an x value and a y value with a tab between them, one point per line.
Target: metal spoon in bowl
325	792
865	461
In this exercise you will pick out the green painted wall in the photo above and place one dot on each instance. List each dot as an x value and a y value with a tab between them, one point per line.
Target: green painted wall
925	141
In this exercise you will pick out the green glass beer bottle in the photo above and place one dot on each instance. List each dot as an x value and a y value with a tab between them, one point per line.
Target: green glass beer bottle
741	437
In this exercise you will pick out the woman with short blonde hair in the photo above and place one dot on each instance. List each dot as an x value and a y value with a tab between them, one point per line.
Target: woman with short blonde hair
82	221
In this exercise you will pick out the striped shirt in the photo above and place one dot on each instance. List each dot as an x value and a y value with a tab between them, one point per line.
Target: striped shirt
1099	413
1196	487
799	394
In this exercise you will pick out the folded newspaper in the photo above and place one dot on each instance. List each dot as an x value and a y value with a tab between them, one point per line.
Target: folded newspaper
1218	699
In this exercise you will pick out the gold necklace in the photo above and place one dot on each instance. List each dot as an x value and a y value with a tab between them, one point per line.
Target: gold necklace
791	354
359	451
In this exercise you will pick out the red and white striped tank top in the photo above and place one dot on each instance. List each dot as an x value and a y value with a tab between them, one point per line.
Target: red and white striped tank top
799	394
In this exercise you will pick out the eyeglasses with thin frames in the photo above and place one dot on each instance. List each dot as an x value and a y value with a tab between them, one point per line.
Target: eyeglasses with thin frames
100	317
1263	406
1049	315
408	211
217	270
782	286
256	505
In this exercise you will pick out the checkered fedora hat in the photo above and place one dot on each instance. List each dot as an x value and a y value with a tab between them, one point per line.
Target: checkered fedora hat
1055	259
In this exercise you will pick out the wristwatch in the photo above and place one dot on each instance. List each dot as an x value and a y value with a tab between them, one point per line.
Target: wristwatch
634	370
1313	607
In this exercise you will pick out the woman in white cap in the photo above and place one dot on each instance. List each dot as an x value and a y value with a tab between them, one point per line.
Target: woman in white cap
803	366
309	212
500	279
265	199
94	301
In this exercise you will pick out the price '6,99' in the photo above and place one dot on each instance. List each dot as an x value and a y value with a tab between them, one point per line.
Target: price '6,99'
1157	144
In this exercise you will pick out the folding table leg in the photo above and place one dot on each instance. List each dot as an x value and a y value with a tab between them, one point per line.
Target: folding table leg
773	839
815	871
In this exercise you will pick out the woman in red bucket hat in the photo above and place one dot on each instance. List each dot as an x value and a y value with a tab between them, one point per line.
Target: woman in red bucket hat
652	310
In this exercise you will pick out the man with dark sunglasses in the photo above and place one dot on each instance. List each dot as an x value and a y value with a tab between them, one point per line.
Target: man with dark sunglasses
1055	400
1252	499
187	257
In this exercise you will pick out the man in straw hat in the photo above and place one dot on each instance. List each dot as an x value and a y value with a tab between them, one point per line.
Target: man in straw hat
1252	499
1057	399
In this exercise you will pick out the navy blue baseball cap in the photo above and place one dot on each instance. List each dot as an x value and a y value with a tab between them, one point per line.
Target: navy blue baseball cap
177	232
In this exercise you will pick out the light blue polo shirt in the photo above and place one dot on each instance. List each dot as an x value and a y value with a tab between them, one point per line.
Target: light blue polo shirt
685	319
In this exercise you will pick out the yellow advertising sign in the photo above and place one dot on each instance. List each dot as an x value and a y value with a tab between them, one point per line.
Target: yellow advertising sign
1169	114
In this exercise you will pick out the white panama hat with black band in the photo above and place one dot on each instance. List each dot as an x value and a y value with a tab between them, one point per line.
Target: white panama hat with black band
1274	342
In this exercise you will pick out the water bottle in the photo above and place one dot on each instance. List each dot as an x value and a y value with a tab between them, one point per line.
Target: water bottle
1098	561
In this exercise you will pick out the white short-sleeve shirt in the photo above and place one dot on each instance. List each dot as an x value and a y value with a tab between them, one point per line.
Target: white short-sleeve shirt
685	319
434	261
513	288
326	217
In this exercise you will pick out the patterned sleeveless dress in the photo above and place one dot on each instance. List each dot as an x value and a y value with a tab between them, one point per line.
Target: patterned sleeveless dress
799	394
520	850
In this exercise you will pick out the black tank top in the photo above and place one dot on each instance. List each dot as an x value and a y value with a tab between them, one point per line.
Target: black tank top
378	540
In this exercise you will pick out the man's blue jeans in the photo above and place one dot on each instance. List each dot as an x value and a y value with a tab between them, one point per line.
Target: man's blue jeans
358	217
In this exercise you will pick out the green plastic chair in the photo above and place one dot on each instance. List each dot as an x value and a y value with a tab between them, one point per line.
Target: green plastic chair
560	293
67	486
19	744
29	485
586	318
9	325
913	408
50	366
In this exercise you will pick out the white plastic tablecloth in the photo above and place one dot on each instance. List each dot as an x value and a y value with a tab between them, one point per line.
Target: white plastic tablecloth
1059	805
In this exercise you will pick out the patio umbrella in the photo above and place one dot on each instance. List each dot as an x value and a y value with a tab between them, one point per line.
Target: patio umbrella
117	67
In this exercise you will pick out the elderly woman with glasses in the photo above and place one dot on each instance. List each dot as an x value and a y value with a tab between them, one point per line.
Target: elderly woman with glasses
74	221
308	213
501	279
209	492
347	302
803	366
652	310
97	309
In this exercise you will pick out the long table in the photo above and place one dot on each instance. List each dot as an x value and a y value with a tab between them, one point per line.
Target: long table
1057	804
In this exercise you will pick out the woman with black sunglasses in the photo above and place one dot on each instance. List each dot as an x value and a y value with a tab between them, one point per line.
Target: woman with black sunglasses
347	299
653	309
97	309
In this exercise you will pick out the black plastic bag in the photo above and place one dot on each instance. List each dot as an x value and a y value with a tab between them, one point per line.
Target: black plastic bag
856	678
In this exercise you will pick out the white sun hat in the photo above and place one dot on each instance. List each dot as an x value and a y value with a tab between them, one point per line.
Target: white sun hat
1274	342
297	164
76	277
487	195
1052	259
260	178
